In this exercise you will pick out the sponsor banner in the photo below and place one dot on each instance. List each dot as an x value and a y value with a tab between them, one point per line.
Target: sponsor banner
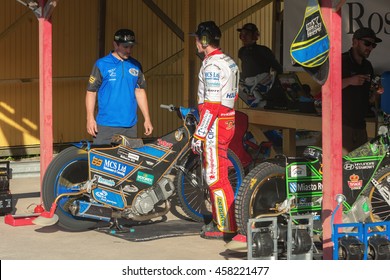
305	202
145	178
128	155
164	143
203	126
359	165
104	181
298	171
109	165
220	205
354	182
299	187
107	197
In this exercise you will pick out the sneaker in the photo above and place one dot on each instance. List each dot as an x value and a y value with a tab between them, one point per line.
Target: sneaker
211	231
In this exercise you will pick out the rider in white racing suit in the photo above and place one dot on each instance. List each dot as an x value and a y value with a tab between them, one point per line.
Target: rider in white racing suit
217	92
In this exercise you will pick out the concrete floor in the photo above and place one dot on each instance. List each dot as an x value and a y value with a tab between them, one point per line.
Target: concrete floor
33	242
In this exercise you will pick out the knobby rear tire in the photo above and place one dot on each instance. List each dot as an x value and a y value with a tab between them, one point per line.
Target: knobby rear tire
261	190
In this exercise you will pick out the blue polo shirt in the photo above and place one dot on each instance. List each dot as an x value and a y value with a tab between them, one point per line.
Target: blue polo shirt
115	82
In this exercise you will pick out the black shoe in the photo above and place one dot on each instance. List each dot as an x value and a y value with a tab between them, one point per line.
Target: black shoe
211	231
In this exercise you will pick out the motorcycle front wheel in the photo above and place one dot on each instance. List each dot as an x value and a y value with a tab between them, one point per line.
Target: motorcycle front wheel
193	196
380	208
66	170
261	190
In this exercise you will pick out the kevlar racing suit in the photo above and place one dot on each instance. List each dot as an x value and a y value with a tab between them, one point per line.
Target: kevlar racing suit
217	92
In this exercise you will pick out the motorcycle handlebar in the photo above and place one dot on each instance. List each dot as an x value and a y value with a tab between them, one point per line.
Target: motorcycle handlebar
170	107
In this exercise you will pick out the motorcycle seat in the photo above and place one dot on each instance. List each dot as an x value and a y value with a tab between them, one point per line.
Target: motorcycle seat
133	143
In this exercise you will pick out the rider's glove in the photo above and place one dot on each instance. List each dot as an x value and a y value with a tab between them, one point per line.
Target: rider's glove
196	146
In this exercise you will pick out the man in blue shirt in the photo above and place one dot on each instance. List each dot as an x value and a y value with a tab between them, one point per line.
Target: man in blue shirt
118	85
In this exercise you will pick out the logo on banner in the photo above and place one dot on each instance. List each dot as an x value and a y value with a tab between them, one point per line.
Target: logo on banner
145	178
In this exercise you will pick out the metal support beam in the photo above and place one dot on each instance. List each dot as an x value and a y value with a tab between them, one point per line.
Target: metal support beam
163	64
251	10
166	19
12	26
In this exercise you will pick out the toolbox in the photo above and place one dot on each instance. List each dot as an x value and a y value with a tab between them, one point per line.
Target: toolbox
5	194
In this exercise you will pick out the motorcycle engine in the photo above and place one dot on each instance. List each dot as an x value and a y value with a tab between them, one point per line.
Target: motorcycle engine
147	199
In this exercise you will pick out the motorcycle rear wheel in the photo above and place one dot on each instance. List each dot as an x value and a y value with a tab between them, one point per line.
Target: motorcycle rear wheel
67	169
193	197
262	189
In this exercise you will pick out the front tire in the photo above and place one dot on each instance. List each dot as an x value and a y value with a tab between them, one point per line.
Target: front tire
194	197
67	169
380	208
262	189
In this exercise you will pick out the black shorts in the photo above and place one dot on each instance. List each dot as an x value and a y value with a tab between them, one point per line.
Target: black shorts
105	133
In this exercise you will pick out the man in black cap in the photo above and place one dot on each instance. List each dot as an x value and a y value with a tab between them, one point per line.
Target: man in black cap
257	61
357	73
117	82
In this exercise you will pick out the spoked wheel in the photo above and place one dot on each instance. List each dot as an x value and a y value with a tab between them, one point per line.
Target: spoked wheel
68	168
261	190
194	197
380	207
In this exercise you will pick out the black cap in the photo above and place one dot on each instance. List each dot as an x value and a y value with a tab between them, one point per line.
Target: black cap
125	36
250	27
210	28
366	32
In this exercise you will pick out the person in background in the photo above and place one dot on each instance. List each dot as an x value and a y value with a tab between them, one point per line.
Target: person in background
357	72
217	93
255	59
257	63
118	85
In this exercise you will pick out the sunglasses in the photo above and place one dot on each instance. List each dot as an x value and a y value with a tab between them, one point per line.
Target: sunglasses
368	43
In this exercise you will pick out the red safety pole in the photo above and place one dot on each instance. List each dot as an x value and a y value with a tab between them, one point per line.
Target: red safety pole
331	126
45	91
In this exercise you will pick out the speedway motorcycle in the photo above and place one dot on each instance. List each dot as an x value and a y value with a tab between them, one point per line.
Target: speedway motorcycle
366	185
130	179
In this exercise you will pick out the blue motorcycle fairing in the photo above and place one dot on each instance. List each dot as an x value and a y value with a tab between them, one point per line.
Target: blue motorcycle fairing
151	151
83	144
184	111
